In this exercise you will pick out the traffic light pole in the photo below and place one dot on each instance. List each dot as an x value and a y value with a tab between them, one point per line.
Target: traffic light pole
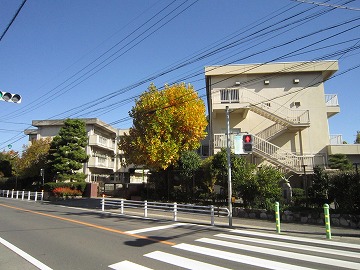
229	164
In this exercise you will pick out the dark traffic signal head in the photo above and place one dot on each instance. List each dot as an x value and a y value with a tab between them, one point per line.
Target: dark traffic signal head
9	97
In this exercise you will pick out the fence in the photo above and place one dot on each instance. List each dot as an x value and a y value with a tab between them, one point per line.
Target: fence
23	195
174	208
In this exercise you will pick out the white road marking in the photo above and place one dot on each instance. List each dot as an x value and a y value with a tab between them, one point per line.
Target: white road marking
290	245
284	254
126	265
26	256
182	262
240	258
298	239
157	228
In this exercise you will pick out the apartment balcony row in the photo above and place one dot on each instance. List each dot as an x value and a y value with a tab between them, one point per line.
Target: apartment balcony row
102	142
101	162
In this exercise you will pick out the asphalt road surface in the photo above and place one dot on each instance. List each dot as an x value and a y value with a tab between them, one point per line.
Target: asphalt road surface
47	236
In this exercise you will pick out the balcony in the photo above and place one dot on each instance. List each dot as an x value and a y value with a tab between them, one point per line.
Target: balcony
101	162
337	146
102	142
332	104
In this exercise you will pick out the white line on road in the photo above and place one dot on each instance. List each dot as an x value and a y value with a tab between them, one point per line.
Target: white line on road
284	254
298	239
26	256
126	265
240	258
289	245
182	262
157	228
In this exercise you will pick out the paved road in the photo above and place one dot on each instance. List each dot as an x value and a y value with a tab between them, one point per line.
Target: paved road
62	237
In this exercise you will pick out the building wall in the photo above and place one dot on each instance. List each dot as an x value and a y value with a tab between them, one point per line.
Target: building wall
300	87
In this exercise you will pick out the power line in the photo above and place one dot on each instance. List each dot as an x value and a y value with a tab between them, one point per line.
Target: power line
13	19
326	5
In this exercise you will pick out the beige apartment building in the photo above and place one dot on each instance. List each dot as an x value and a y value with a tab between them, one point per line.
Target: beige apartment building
106	163
284	106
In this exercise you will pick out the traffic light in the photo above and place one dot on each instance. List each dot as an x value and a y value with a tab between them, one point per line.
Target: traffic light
247	143
9	97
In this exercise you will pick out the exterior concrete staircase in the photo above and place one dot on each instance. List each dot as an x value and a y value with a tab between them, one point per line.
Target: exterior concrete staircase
282	158
284	119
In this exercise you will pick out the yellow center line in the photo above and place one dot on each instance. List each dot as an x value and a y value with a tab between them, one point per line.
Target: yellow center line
90	225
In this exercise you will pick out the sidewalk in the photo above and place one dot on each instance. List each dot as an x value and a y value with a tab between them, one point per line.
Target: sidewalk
295	229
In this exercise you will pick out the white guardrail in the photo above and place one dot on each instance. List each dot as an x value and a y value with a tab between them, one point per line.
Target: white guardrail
174	208
23	195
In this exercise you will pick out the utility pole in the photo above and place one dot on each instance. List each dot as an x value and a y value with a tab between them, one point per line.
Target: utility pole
229	164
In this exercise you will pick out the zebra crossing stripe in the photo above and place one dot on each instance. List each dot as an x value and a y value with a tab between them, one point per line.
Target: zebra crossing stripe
157	228
182	262
239	258
284	254
298	239
290	245
126	265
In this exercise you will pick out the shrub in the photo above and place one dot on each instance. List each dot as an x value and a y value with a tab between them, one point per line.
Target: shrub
72	185
66	191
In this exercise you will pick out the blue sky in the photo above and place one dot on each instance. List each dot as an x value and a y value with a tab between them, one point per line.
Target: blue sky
91	58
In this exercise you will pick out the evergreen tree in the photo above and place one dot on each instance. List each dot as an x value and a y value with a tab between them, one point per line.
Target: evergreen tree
67	151
340	162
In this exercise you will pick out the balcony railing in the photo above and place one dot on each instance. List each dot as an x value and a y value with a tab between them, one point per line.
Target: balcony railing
336	139
331	100
101	162
102	142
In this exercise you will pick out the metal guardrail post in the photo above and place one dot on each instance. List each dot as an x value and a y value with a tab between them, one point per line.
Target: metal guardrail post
7	194
29	194
12	194
277	217
42	195
103	203
175	211
36	194
145	208
122	206
22	195
212	215
327	221
17	194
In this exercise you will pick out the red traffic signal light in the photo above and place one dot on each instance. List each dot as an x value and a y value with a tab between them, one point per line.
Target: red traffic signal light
247	143
247	138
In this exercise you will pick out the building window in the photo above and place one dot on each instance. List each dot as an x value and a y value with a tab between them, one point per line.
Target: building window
229	95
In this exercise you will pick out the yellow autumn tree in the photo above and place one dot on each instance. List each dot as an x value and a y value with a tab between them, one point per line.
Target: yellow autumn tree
165	123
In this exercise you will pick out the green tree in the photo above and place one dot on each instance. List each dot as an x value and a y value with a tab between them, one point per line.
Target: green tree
67	151
340	162
8	162
268	188
357	140
188	164
257	188
344	189
34	158
165	124
319	189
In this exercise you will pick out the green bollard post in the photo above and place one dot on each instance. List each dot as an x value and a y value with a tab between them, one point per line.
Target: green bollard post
327	221
277	217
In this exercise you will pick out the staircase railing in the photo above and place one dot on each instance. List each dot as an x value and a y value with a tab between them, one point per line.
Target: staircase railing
271	131
259	102
275	154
